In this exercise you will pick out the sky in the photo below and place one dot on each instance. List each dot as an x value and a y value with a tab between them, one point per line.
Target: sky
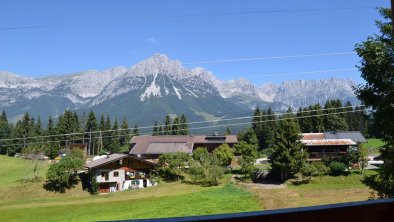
39	38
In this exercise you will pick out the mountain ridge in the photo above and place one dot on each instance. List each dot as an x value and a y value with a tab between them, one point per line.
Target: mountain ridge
162	84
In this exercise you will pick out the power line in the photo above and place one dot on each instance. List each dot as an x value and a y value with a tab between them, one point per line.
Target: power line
202	15
272	11
269	58
31	27
194	128
306	72
214	61
190	123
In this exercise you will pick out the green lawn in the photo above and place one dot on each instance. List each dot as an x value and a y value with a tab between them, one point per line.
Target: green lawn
373	146
209	201
29	202
320	190
13	169
352	180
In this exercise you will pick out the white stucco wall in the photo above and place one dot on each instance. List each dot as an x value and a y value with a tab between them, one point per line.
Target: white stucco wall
111	177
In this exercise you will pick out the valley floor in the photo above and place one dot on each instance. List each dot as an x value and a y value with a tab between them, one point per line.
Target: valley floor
28	201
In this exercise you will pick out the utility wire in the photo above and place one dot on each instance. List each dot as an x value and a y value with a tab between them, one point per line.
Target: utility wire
203	15
269	58
306	72
272	11
194	128
190	123
220	61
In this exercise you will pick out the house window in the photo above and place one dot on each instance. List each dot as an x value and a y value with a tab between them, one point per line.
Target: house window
104	176
129	161
116	174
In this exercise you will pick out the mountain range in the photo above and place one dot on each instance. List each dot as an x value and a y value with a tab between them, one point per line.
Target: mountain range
158	86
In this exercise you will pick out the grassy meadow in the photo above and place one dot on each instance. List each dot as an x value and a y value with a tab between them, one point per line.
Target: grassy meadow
373	146
319	191
28	201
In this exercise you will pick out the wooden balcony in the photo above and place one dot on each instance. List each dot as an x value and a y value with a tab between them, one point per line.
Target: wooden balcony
319	155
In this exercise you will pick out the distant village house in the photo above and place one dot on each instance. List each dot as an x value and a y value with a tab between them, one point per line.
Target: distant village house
117	172
331	144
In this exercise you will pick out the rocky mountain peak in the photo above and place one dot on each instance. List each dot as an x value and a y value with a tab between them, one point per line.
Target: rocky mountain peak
159	82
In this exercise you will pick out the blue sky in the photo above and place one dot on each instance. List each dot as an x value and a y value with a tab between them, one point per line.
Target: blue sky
73	35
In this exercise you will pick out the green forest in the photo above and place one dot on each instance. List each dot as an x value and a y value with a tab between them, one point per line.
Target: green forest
103	134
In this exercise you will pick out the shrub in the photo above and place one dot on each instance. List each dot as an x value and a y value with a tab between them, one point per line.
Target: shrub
337	168
207	173
172	165
224	154
321	168
94	186
200	154
307	171
62	175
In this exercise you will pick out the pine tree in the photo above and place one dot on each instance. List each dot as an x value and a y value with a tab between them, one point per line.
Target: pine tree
22	130
167	125
115	145
377	54
91	126
107	140
82	121
52	151
184	127
258	125
248	136
334	122
101	126
227	131
155	131
50	127
265	128
5	133
317	119
135	131
124	139
175	127
288	155
38	129
160	130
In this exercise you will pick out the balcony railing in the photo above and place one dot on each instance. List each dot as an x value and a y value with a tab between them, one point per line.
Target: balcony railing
325	154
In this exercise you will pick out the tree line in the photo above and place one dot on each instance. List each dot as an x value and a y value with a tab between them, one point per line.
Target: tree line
311	119
101	135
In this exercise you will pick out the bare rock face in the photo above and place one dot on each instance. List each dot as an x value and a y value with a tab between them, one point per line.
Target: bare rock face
159	85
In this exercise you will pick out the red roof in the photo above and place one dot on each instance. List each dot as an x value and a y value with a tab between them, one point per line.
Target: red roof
313	136
329	142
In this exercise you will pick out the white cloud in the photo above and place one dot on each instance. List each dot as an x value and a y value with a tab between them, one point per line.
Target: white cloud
152	40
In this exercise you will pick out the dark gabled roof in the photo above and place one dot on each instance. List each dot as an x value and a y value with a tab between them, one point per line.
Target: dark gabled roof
356	136
161	144
172	144
156	148
112	158
215	139
105	160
